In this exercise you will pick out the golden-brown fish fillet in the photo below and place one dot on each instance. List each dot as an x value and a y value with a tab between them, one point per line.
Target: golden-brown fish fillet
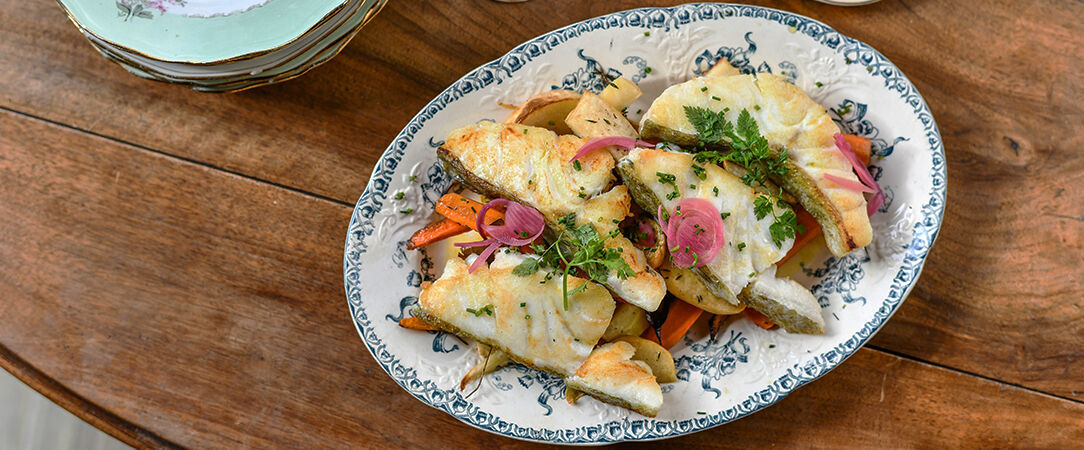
789	119
532	166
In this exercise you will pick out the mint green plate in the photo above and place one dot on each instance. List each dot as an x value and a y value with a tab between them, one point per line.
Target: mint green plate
199	31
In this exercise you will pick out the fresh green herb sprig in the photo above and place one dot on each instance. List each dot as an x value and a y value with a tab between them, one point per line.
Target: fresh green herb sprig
785	225
576	247
750	149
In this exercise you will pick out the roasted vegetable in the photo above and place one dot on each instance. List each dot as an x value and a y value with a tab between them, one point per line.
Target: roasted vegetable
688	287
547	110
620	93
492	359
655	356
628	320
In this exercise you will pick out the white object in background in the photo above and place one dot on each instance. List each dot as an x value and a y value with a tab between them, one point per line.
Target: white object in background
28	420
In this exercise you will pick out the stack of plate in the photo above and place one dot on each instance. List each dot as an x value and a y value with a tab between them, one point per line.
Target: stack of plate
220	45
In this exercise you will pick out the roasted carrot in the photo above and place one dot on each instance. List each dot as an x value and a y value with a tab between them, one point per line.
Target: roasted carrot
760	319
415	323
464	211
861	146
812	230
681	317
436	231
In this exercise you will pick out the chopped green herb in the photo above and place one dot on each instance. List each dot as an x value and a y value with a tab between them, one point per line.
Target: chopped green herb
487	310
716	98
527	317
701	413
771	345
741	246
399	195
647	33
592	121
576	165
638	111
724	215
819	84
647	69
583	195
526	268
715	190
413	178
699	172
692	186
704	89
522	304
756	107
667	178
406	211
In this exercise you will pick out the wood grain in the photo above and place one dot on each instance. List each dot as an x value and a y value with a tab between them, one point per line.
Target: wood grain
207	309
1001	295
172	291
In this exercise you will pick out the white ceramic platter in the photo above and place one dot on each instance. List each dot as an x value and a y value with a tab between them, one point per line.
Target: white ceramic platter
745	368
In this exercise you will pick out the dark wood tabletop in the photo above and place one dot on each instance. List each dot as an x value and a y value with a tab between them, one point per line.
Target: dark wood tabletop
171	261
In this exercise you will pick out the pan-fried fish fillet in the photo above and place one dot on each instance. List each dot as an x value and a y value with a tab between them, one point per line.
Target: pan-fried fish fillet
486	306
611	375
743	271
789	119
730	270
531	165
525	319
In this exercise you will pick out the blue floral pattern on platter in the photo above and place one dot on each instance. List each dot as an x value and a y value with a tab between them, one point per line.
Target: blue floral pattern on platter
706	363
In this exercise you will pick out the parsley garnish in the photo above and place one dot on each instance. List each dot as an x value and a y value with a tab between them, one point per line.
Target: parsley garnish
576	165
741	246
577	247
751	150
785	225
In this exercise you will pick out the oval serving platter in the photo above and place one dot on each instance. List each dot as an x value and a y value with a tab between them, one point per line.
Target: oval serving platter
745	368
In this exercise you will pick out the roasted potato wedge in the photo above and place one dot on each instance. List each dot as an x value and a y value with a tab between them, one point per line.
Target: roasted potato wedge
547	110
593	117
688	287
655	356
492	359
628	320
620	93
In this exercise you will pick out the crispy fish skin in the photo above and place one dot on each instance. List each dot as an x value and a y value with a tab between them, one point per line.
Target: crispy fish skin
530	165
739	274
789	119
611	375
540	333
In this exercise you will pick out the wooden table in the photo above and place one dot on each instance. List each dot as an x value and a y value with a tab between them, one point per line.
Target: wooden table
170	261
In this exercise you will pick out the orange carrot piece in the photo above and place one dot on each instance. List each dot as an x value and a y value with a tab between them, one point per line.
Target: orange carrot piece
760	319
415	323
812	230
436	231
861	146
464	211
681	317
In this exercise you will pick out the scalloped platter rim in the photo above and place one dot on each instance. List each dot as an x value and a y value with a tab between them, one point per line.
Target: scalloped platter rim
744	369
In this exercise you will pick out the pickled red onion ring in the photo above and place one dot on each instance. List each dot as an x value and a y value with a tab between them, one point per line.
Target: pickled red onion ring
694	232
863	174
616	141
522	225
